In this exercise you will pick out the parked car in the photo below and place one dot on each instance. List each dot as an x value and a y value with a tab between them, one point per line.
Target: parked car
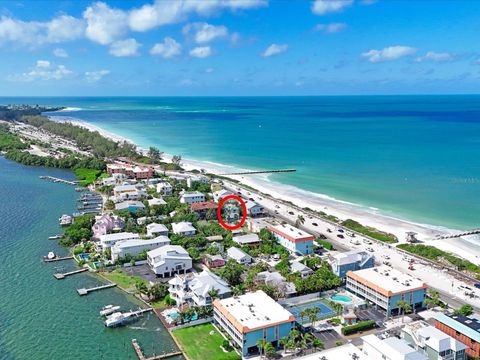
340	236
477	285
341	230
314	224
291	213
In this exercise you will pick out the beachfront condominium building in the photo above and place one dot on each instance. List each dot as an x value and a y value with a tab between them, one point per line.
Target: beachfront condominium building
108	240
196	289
435	344
293	239
390	348
155	229
184	228
385	287
252	317
351	261
134	247
130	170
192	197
169	260
465	329
164	188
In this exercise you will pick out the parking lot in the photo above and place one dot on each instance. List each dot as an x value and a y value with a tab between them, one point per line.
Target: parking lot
329	338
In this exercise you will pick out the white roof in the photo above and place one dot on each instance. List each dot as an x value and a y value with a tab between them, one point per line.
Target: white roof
255	309
290	231
250	204
206	281
169	251
183	226
124	244
395	348
236	253
118	236
337	353
246	239
297	266
389	279
121	188
192	194
126	204
154	227
350	257
433	337
156	201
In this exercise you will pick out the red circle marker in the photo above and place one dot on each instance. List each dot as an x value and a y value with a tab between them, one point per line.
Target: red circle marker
219	212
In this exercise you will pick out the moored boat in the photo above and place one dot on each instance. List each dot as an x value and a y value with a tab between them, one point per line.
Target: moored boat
109	309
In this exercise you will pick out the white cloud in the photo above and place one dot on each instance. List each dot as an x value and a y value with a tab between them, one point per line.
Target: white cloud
201	52
322	7
104	24
168	49
94	76
275	49
330	28
388	54
43	70
204	32
58	52
434	56
35	33
127	47
162	12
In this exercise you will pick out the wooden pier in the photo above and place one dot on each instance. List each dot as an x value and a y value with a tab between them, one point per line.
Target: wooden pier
259	172
58	180
452	236
58	259
84	291
141	356
60	276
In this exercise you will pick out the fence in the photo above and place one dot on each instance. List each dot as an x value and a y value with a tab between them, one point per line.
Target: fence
192	323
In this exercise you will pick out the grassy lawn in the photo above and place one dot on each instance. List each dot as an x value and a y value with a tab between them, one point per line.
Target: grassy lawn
198	344
88	176
159	304
122	279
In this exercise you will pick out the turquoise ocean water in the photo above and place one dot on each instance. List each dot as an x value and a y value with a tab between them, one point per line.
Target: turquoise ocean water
413	157
43	318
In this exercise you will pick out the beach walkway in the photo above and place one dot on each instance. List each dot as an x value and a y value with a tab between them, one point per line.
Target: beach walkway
141	356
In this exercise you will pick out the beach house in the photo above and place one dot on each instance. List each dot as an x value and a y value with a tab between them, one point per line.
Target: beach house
106	223
239	255
351	261
303	270
213	261
184	228
254	209
128	192
134	247
195	289
219	195
384	287
293	239
169	260
247	240
164	188
252	317
130	206
155	229
191	197
156	202
108	240
465	329
205	208
277	281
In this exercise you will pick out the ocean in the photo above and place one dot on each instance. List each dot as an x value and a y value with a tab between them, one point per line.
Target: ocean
410	157
43	318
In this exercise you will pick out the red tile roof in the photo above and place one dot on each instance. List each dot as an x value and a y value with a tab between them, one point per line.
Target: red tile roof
203	205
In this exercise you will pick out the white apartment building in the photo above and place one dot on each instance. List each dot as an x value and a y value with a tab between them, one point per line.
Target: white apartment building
134	247
169	260
192	197
108	240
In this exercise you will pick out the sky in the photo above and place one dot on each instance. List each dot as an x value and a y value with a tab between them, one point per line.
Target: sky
239	47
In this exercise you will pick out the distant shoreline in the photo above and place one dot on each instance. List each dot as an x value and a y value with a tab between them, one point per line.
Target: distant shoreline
315	201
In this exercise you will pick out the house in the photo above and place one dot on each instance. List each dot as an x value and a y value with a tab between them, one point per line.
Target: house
376	348
239	255
253	208
134	247
432	342
191	197
195	289
213	261
156	202
231	211
303	270
128	192
169	260
204	208
276	280
108	240
164	188
219	246
351	261
184	228
196	178
219	195
105	223
465	329
385	287
155	229
131	206
110	181
252	317
293	239
247	240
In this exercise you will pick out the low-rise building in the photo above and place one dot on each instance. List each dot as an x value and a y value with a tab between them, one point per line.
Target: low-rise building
465	329
164	188
351	261
213	261
169	260
390	348
247	240
252	317
184	228
134	247
196	289
156	202
219	195
293	239
155	229
130	170
435	344
128	192
302	269
254	209
257	224
385	287
344	352
108	240
204	208
239	255
192	197
276	280
105	223
131	206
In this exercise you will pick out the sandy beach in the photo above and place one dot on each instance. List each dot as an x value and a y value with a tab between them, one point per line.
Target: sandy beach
341	209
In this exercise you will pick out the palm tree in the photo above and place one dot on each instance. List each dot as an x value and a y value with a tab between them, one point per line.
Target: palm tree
303	314
238	290
141	288
300	220
317	344
213	293
284	342
261	346
308	337
270	350
433	298
313	315
404	306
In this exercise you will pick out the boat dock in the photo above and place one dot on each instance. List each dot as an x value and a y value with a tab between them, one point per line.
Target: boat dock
58	180
58	259
60	276
84	291
141	356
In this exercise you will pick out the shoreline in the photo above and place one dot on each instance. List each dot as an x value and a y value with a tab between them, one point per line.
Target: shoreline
315	201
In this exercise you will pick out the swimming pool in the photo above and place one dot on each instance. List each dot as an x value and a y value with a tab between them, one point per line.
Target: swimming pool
341	298
173	316
325	311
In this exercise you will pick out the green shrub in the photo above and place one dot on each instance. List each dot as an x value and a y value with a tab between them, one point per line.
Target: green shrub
360	326
369	231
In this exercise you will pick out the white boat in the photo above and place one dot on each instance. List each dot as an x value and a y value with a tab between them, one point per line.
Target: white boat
109	309
65	220
54	237
117	318
51	255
